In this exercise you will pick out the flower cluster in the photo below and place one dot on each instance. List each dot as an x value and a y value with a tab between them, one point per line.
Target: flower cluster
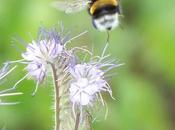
41	53
85	81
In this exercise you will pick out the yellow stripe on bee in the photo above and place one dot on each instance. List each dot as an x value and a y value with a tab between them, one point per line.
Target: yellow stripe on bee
100	3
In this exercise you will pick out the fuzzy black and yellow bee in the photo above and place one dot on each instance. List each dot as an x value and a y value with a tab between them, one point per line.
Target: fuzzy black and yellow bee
105	13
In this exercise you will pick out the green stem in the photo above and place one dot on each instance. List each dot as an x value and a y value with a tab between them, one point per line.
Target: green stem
57	97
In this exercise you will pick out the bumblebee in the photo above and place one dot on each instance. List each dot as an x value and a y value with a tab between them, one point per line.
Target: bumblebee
105	13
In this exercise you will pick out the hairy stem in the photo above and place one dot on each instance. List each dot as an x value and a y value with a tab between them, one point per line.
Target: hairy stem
77	121
57	97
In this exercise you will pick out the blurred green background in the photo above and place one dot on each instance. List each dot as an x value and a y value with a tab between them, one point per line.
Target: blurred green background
144	86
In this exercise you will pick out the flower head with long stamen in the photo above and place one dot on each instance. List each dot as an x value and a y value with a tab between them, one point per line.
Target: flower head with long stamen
77	85
46	55
48	49
43	51
88	82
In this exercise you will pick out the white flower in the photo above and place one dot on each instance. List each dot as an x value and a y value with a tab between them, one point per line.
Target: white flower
39	53
87	82
43	51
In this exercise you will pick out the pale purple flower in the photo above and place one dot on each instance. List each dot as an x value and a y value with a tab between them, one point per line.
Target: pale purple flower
43	51
47	49
77	85
87	81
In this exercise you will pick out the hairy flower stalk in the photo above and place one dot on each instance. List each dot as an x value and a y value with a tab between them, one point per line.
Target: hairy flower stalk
49	54
58	73
77	85
57	97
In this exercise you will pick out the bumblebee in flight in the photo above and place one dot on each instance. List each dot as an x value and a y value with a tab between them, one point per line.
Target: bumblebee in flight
105	13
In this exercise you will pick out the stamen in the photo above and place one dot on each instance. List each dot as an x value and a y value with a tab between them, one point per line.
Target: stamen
109	90
104	50
101	98
10	94
9	103
82	49
7	90
8	72
14	87
17	61
75	37
36	88
107	110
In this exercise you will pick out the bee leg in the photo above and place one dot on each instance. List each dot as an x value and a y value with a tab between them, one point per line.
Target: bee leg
107	40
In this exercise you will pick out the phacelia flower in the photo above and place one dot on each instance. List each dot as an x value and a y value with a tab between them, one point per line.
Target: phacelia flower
43	51
46	50
87	81
41	55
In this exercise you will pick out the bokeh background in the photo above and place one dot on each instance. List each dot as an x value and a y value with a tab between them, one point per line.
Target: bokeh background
144	86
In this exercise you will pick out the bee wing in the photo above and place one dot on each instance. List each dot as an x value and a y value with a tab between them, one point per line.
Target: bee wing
70	6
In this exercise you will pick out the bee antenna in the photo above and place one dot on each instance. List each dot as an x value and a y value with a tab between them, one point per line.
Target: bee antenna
107	40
